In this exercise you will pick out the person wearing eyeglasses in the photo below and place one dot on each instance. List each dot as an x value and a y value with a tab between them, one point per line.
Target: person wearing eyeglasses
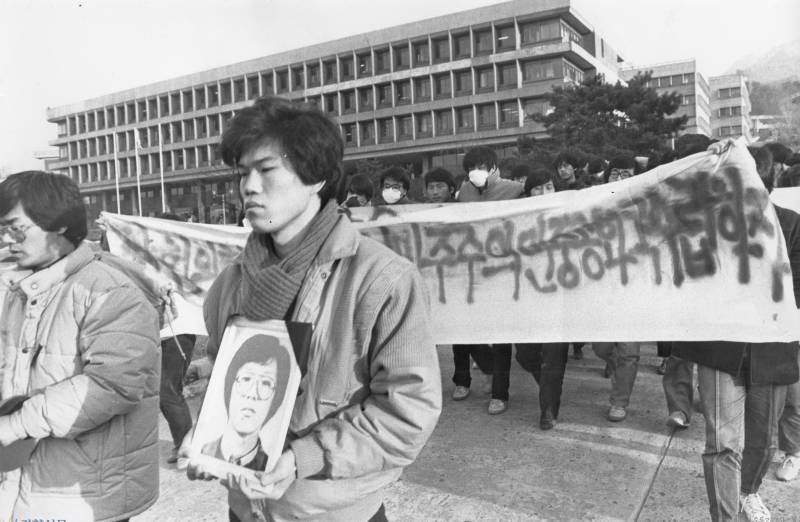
80	340
255	384
620	168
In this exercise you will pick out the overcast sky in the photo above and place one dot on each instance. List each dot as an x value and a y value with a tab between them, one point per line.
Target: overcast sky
54	52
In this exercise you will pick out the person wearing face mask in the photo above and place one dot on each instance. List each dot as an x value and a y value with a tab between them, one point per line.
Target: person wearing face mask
359	191
484	184
394	184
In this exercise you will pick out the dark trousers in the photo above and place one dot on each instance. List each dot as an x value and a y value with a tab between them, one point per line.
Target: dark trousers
379	516
173	369
547	363
494	360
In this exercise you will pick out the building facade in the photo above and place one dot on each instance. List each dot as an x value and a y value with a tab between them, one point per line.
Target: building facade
684	78
730	107
417	94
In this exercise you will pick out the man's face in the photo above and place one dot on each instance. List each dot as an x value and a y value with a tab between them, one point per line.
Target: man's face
251	396
392	190
276	201
32	247
439	192
541	190
566	172
619	174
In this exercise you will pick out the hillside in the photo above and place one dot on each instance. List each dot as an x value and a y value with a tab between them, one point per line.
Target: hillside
780	63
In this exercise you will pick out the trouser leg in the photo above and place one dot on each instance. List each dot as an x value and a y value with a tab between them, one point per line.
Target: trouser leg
763	408
625	369
554	363
677	383
501	371
789	425
461	375
723	402
173	369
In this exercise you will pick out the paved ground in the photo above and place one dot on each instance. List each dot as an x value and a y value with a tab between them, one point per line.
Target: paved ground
503	468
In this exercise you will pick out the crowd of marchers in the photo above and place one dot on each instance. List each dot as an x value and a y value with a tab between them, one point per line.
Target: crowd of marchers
85	366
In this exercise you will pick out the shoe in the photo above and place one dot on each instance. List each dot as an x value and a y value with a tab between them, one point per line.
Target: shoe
662	368
173	456
789	468
617	413
677	420
607	371
577	352
547	421
754	509
497	406
460	393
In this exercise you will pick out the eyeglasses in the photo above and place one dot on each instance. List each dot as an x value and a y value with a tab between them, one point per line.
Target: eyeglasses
15	232
264	388
621	173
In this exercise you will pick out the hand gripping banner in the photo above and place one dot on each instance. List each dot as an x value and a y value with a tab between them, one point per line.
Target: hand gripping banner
689	251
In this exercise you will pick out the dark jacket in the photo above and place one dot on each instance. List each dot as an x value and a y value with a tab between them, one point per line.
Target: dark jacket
759	363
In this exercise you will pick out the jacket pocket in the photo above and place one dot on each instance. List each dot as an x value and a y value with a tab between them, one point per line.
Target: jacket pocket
65	467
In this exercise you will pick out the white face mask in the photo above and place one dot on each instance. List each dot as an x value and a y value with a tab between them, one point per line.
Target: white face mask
478	177
391	195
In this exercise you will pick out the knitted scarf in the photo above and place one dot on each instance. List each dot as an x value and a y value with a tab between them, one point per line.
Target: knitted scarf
270	285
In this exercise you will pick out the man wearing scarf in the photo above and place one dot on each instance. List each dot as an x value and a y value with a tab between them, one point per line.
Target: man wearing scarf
370	394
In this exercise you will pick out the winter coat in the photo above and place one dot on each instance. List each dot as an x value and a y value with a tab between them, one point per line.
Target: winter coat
81	341
371	395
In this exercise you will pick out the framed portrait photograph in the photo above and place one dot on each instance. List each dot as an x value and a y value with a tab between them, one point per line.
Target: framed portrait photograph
245	415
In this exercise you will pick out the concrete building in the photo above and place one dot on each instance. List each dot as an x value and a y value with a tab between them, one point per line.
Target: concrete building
766	127
684	78
416	94
730	107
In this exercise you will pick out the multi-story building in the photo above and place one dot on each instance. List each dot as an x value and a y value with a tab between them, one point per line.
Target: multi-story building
417	94
730	107
684	78
766	127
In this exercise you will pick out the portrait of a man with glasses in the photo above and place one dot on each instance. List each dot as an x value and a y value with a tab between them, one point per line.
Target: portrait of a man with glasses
255	385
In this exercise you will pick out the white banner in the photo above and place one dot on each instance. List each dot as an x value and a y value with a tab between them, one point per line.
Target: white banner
689	251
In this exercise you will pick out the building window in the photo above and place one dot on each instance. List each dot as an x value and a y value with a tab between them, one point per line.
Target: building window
465	119
441	49
213	124
461	46
403	92
213	95
485	79
506	37
486	116
382	61
110	118
365	101
463	80
533	106
402	57
188	129
385	130
101	120
252	87
202	129
731	92
509	114
364	65
533	71
727	112
141	111
688	99
483	41
404	128
367	129
312	75
329	72
570	34
177	131
349	134
267	86
346	68
688	78
166	159
421	54
422	89
384	95
297	78
282	79
424	124
507	76
537	32
572	72
130	115
92	147
330	103
199	98
442	87
444	122
348	101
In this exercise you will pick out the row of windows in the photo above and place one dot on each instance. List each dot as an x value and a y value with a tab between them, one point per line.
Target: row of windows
671	81
731	130
454	45
444	122
180	159
730	92
726	112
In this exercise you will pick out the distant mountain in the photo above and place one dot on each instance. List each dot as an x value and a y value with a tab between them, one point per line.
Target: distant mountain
779	63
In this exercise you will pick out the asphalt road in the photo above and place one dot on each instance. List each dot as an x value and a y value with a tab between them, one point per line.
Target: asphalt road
478	467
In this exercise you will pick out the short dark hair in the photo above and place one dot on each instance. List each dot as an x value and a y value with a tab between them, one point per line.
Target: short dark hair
764	163
311	142
571	157
361	184
780	152
260	349
397	174
441	175
539	175
521	170
622	161
480	155
52	201
689	144
595	164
